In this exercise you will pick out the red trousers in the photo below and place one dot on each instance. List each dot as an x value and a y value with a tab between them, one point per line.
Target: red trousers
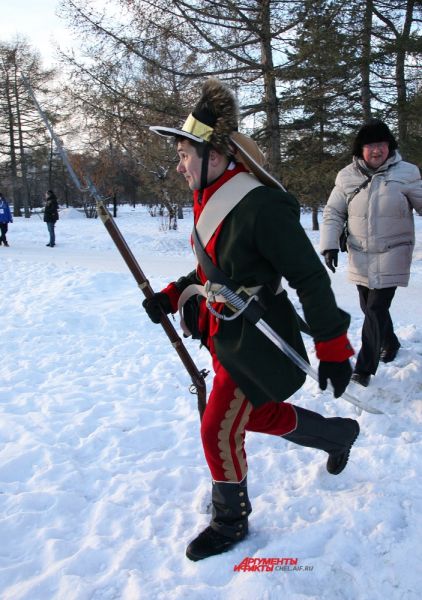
227	417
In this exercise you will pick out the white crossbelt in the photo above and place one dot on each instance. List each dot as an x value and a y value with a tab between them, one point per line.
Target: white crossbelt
215	211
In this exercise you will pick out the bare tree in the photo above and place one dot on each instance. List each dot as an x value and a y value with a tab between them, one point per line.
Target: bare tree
236	41
21	131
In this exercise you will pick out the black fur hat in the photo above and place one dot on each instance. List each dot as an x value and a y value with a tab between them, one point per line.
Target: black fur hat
213	119
374	131
217	107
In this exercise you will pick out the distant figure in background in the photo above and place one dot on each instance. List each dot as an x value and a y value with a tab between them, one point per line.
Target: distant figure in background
5	218
51	215
376	194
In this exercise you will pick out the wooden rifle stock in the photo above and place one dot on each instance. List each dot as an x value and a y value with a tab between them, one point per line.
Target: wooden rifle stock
198	377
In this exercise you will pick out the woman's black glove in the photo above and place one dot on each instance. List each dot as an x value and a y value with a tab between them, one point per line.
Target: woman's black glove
155	306
331	259
338	373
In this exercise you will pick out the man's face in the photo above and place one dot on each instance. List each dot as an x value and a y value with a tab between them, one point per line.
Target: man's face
375	154
189	164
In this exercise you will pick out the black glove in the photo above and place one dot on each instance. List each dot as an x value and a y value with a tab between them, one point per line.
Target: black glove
331	259
156	306
338	373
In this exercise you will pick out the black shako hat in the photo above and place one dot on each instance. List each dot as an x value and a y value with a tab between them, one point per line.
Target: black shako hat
374	131
214	122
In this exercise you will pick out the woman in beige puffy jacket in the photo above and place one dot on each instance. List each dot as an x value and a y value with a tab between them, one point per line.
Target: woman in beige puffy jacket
376	193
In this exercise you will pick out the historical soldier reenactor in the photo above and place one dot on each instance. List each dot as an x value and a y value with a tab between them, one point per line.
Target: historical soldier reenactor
255	240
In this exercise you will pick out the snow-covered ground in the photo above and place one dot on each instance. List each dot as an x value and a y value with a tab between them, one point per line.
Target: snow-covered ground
102	478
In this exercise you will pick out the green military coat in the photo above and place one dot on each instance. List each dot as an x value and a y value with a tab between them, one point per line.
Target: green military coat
259	241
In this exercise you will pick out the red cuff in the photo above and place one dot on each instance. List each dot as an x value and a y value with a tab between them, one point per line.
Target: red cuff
173	294
338	349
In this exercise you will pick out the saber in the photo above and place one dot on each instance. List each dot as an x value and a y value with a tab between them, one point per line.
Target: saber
241	306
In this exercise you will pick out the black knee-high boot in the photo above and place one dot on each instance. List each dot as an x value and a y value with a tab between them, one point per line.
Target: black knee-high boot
335	435
229	523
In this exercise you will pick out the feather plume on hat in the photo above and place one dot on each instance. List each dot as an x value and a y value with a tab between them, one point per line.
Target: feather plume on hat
217	108
212	120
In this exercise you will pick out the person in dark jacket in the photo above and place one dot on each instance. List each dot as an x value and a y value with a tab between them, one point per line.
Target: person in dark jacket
377	194
51	215
5	219
256	243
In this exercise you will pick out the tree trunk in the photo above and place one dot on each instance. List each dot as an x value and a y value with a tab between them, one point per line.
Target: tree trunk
365	61
12	154
315	223
25	185
270	92
402	44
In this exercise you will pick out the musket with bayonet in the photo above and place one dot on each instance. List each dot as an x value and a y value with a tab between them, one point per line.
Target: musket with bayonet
198	386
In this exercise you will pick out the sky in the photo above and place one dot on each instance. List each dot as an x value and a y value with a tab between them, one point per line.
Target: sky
103	482
39	22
